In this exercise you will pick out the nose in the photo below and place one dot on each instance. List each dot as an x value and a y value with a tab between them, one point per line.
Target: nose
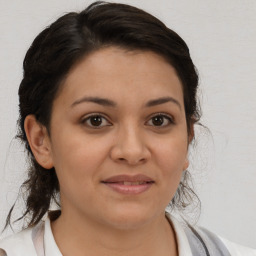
130	147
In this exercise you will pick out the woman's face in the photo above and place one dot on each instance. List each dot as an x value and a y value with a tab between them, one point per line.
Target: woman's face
119	137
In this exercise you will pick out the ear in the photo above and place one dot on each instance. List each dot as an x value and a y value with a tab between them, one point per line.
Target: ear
39	141
191	135
186	164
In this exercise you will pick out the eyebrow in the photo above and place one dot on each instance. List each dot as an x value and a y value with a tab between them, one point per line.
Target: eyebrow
162	100
110	103
97	100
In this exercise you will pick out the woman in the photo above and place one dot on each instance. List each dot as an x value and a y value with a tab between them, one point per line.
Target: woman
107	113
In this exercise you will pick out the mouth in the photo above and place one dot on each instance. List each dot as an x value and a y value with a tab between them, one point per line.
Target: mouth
129	185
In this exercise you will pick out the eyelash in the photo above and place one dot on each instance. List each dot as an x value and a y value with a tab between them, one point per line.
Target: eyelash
84	120
165	116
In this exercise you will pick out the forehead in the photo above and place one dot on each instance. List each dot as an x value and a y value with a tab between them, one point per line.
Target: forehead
119	73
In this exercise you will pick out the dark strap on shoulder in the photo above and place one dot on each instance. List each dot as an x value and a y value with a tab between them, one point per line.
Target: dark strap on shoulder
205	243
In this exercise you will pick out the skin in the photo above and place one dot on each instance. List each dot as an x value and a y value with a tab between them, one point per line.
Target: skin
94	217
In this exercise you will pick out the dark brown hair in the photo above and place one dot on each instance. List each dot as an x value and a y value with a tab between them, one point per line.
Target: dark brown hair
63	44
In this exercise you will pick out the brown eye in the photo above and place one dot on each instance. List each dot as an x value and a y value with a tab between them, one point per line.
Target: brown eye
160	120
95	121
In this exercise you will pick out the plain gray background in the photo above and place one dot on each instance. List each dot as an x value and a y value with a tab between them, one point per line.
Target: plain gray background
222	38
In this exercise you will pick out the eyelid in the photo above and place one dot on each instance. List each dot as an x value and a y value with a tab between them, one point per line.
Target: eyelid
88	116
169	117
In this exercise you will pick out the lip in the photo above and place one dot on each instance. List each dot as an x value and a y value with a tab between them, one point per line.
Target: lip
128	178
121	183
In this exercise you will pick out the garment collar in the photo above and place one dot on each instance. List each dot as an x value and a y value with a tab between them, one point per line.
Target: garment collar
51	247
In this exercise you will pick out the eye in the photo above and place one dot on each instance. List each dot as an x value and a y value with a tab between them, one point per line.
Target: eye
161	120
96	121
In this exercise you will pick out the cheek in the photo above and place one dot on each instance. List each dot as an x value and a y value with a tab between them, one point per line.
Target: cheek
171	158
78	157
172	154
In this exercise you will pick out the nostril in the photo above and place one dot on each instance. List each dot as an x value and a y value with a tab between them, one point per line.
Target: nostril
132	161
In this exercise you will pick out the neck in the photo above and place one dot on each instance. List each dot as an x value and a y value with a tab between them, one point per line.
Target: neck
75	236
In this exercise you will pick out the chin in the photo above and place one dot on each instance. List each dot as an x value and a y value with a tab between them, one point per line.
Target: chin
130	218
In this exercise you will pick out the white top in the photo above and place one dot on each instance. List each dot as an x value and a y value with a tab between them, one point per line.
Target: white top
27	243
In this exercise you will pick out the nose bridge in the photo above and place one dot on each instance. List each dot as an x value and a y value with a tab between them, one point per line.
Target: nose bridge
131	137
130	145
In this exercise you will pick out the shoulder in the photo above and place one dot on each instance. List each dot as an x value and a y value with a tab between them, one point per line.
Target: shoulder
18	244
216	243
237	249
194	240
